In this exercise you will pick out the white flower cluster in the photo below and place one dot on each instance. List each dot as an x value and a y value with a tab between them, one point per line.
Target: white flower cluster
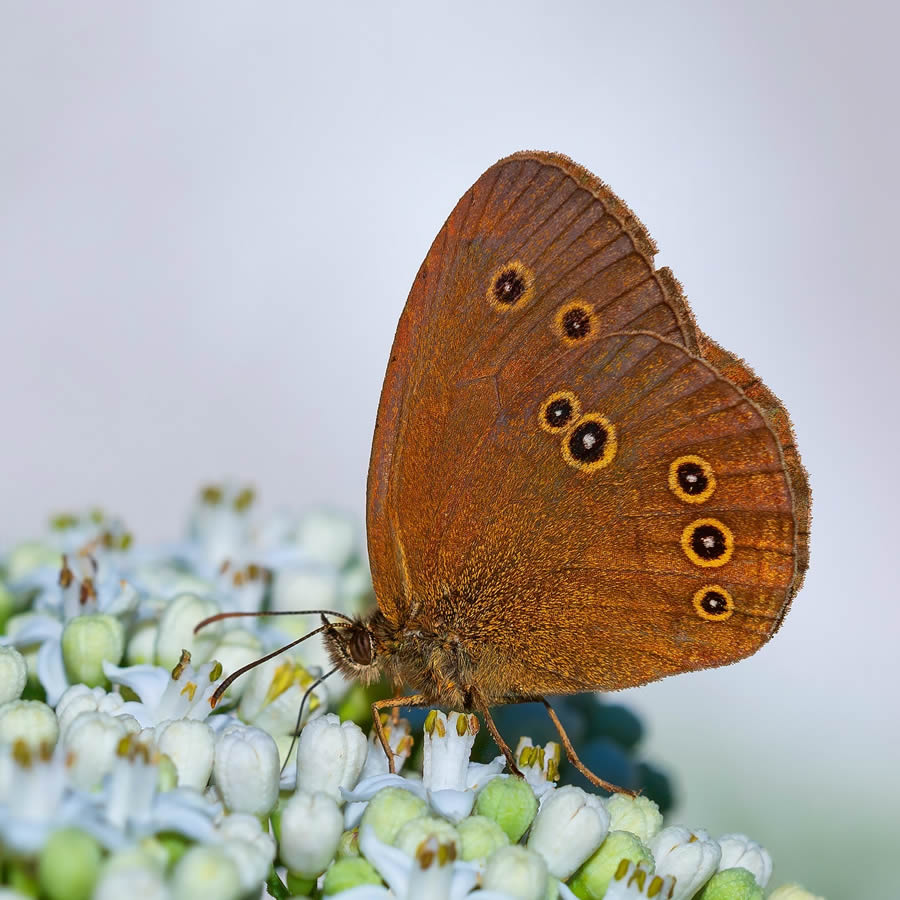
119	777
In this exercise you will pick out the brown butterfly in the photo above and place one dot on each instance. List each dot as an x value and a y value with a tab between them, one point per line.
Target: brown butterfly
571	487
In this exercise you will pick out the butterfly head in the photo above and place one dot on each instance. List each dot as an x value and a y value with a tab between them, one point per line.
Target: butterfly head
354	649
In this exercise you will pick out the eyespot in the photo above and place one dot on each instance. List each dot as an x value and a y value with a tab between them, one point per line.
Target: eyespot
591	444
574	321
512	286
691	479
707	542
559	412
713	602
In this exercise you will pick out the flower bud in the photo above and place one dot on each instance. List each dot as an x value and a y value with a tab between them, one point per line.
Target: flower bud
141	647
349	872
93	739
205	871
568	828
516	872
311	828
731	884
592	879
237	648
416	831
68	865
13	674
190	745
639	815
510	802
176	630
330	756
250	848
793	892
690	857
479	837
30	721
389	810
247	769
80	698
348	844
738	851
86	642
29	556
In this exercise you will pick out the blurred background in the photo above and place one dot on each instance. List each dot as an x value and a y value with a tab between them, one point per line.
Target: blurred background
211	214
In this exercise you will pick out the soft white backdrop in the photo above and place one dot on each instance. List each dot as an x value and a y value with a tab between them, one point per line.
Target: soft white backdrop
211	213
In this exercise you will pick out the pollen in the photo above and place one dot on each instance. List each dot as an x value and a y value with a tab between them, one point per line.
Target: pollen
190	689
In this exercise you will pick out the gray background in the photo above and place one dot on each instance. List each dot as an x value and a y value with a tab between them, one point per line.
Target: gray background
211	214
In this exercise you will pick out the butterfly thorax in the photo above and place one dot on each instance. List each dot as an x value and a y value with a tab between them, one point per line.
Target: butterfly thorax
427	657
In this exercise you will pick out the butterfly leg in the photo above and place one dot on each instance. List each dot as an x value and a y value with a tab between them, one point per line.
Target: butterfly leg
392	703
573	756
498	739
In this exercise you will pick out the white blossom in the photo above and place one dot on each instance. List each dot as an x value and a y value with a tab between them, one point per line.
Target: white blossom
247	769
330	756
691	857
570	825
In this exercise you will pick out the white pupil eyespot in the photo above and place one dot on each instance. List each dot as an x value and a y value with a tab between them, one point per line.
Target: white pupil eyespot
589	440
691	478
708	542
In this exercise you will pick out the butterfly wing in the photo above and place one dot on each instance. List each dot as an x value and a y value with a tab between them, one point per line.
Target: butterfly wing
540	291
651	533
458	348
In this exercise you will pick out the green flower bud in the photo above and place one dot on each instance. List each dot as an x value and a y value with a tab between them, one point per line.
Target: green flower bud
480	837
13	674
25	558
639	815
30	721
592	879
206	871
349	872
517	872
141	647
389	810
348	846
510	802
731	884
68	865
411	836
86	642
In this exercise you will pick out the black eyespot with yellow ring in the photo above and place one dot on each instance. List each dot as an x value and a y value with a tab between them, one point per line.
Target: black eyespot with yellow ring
511	287
591	444
707	542
691	479
559	412
574	321
714	603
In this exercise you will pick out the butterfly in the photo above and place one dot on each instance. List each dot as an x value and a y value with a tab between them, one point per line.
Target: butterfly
571	488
